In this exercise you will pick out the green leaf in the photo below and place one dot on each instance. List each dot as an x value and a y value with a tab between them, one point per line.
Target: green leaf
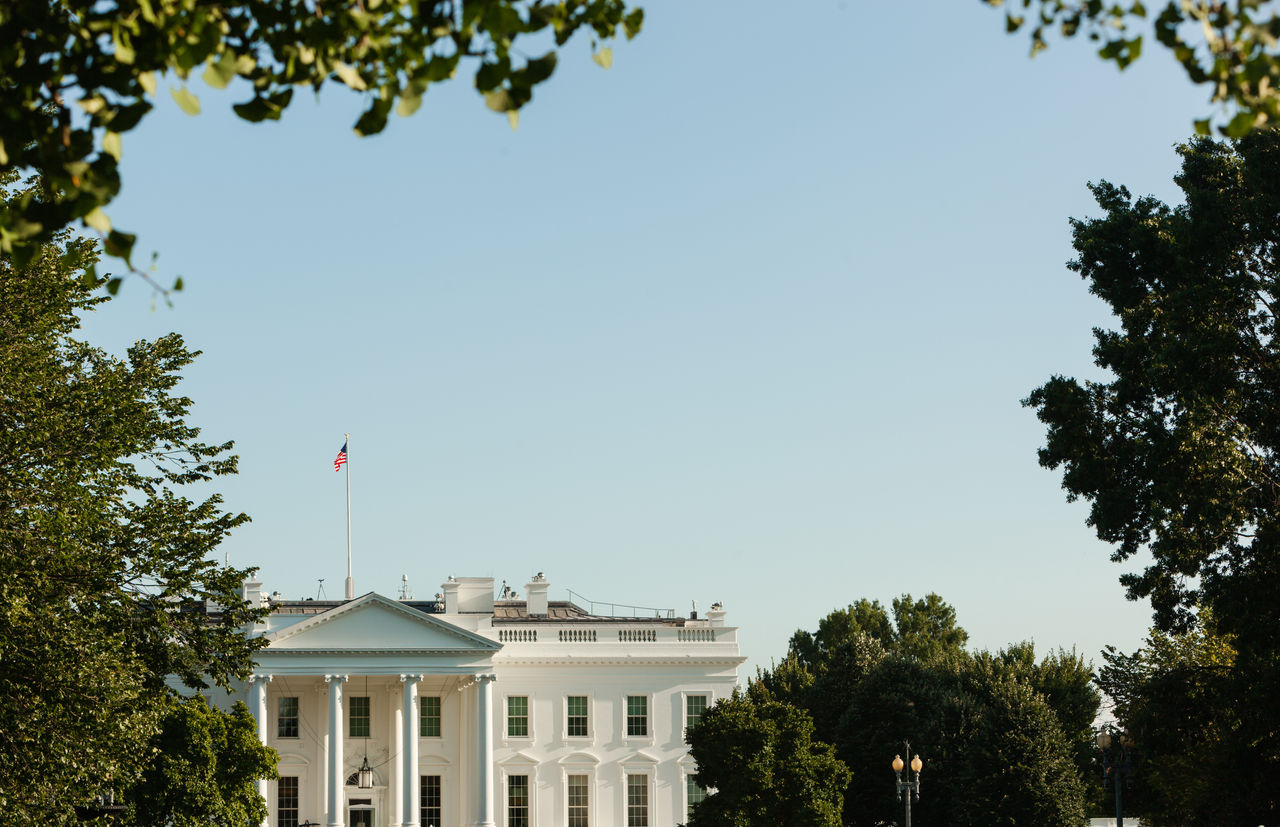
513	118
349	76
410	100
498	100
177	284
4	156
187	101
148	82
1202	127
113	285
604	57
220	72
98	220
1240	125
111	144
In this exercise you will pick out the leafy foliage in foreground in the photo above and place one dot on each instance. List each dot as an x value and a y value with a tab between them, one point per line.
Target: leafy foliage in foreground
1179	453
79	74
101	551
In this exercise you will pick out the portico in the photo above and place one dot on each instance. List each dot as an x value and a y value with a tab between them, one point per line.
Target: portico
364	662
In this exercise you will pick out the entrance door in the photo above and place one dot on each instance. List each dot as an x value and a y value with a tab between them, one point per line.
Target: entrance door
360	818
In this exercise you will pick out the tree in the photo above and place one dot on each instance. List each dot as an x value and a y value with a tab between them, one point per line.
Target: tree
101	552
919	628
1238	57
1006	737
1175	697
204	768
1179	453
104	56
762	768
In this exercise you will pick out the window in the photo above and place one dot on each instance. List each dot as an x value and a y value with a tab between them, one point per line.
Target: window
637	715
637	801
287	718
693	794
576	722
517	801
359	720
578	800
429	814
429	717
518	716
287	801
694	706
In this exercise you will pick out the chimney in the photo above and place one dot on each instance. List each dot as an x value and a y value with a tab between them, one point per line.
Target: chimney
536	595
450	589
716	615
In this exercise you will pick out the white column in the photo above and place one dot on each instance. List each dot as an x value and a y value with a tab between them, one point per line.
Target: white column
258	704
409	791
484	733
336	782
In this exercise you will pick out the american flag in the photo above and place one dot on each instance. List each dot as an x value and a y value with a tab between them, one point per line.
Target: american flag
341	459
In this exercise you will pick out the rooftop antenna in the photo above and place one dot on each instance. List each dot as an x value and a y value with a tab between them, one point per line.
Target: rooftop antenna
405	594
320	591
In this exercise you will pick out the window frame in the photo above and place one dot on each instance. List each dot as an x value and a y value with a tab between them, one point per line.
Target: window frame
367	716
708	698
586	716
528	718
423	717
627	775
569	776
689	784
627	734
283	781
422	805
281	717
507	777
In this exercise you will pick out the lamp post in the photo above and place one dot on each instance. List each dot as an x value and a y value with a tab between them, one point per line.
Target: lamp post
1116	765
907	789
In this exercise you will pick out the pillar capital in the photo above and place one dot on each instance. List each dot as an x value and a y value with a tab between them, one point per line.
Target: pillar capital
335	679
412	678
259	677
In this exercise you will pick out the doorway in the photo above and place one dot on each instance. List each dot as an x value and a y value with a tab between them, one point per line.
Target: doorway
360	817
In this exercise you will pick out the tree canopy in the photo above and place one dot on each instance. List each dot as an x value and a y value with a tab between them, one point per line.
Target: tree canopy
1006	737
102	552
79	74
1178	453
763	768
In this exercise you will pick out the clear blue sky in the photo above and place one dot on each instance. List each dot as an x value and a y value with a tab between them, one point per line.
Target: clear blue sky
746	318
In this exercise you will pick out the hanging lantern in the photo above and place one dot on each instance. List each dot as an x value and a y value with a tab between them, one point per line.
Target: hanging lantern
364	778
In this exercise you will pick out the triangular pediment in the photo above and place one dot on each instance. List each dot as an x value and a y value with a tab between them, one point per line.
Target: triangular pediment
375	623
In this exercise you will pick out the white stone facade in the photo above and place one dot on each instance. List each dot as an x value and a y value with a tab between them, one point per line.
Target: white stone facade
548	716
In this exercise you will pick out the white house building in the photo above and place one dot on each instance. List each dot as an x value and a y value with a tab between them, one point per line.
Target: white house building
473	712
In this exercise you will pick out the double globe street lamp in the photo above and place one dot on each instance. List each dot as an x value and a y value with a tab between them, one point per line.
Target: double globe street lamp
1116	765
909	788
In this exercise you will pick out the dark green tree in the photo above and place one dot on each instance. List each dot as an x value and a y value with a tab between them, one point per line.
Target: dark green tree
203	769
102	553
1179	452
763	768
1175	698
103	59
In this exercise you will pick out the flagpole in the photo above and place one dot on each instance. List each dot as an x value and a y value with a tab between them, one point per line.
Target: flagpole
351	583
